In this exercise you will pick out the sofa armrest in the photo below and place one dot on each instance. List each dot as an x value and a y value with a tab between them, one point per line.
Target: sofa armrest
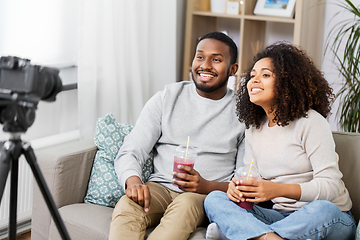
66	169
347	147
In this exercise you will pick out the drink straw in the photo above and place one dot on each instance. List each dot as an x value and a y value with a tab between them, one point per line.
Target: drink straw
251	165
187	147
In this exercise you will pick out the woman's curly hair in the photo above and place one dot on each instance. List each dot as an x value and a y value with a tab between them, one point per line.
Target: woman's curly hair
299	87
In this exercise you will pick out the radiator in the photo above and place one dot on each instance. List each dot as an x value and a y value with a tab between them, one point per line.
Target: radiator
25	183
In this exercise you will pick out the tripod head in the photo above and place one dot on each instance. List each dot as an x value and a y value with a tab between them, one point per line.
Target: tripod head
22	86
16	115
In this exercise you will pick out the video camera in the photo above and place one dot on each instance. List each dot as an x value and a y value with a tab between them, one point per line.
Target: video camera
22	86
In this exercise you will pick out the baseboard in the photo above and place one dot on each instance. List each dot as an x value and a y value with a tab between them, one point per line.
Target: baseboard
22	227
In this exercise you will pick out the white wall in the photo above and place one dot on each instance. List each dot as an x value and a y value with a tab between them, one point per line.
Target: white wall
328	66
46	33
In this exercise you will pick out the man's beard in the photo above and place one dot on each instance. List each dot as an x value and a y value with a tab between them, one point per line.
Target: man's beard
208	89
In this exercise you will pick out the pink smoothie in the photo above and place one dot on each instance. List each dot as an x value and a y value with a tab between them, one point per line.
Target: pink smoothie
181	161
246	205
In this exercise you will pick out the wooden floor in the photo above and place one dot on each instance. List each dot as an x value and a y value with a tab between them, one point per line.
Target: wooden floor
24	236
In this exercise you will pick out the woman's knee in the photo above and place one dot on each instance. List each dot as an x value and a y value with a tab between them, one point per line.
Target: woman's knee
332	222
322	206
213	198
324	210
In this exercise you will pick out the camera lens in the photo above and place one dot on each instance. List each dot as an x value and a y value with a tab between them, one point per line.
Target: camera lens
52	83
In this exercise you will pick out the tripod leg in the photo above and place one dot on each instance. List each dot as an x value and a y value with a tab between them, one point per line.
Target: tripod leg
31	159
5	147
9	159
14	168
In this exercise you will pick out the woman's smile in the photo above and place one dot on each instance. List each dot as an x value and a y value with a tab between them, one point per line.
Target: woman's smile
262	82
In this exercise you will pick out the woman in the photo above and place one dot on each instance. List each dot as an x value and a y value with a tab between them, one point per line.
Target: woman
284	100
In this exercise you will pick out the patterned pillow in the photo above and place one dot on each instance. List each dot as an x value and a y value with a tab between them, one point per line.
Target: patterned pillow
104	188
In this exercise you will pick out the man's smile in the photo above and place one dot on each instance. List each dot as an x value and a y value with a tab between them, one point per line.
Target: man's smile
206	76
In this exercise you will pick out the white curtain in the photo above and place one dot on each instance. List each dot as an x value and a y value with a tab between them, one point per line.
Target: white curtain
127	52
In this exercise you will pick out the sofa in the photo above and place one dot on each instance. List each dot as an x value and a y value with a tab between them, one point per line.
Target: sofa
66	169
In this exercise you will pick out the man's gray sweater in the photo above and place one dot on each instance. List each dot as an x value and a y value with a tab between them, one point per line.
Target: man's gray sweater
167	120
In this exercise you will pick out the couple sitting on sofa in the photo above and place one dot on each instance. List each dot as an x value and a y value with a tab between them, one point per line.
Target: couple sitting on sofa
283	102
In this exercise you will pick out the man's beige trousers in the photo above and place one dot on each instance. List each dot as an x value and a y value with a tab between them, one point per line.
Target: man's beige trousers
176	215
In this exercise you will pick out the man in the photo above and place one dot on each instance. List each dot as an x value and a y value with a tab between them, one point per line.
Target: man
203	109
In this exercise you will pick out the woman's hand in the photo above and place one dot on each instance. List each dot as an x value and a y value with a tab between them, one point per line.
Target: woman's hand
233	193
244	190
264	190
251	190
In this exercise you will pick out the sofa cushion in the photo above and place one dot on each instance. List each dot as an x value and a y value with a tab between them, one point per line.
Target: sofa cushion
92	222
84	221
104	188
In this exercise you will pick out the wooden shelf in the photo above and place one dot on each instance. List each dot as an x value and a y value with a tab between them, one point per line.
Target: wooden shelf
269	19
250	17
307	27
210	14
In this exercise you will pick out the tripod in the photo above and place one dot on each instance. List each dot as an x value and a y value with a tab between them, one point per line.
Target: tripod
10	151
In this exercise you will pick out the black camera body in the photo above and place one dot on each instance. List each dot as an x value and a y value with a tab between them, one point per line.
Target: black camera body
18	75
22	86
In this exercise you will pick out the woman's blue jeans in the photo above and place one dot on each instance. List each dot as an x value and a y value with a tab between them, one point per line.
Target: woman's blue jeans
317	220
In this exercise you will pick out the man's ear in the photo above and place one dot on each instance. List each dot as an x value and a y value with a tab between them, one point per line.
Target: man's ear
233	69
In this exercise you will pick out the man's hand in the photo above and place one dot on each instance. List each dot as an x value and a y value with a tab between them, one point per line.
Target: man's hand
193	182
138	192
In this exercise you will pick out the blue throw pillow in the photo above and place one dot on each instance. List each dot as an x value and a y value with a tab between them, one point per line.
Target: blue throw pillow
104	188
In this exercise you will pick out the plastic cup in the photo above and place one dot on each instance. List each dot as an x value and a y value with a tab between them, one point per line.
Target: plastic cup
242	174
181	158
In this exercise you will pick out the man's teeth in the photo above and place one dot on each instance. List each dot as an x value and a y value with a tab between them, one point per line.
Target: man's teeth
205	75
